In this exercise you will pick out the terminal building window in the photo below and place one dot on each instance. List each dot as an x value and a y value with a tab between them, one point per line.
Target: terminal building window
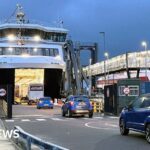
133	90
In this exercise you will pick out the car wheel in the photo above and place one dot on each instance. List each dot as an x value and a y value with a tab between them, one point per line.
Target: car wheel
148	133
69	113
51	107
63	113
123	129
90	114
38	107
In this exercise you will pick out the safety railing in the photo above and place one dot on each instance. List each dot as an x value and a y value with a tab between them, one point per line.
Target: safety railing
98	105
3	108
30	140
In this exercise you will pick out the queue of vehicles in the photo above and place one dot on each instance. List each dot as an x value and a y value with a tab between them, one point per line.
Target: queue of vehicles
135	117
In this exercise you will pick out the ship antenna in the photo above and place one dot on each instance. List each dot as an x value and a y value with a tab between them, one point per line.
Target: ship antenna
20	14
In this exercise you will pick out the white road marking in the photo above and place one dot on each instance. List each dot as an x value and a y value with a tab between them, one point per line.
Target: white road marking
112	117
69	118
41	119
25	120
111	125
9	120
98	117
93	127
56	119
27	115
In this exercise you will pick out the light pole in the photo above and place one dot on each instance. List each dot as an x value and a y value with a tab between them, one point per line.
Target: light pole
90	77
144	44
106	54
104	39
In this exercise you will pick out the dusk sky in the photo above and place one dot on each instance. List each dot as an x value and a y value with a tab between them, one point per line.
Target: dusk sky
125	22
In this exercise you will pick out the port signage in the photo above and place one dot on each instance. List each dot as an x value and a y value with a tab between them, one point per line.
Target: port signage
2	92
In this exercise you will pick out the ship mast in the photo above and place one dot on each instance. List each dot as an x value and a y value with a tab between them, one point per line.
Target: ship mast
20	20
20	14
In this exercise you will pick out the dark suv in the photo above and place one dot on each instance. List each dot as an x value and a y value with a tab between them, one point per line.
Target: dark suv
136	117
77	104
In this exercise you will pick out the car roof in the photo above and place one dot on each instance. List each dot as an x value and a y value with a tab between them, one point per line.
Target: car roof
45	97
72	96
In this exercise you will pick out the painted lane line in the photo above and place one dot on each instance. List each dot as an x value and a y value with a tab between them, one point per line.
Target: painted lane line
111	125
70	118
113	117
98	117
25	120
100	128
27	116
9	120
57	119
41	119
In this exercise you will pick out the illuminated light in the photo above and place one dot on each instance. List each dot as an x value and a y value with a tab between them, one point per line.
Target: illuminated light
40	102
11	37
71	103
35	49
58	57
37	38
106	54
25	55
10	49
144	43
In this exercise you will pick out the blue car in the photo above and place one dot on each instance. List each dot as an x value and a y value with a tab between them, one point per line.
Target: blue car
45	102
136	117
77	104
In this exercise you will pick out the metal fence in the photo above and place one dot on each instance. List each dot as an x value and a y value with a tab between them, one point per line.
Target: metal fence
30	140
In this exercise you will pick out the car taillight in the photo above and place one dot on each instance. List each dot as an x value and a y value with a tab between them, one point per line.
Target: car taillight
71	103
40	102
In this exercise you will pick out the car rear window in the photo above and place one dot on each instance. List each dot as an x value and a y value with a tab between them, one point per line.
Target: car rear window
85	99
45	99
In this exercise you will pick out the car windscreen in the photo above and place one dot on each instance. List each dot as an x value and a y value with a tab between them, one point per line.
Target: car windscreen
142	102
81	99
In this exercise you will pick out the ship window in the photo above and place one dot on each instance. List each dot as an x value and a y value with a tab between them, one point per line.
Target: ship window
1	51
30	51
18	51
53	52
47	52
56	52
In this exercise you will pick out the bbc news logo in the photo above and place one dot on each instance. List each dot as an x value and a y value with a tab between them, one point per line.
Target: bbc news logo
8	134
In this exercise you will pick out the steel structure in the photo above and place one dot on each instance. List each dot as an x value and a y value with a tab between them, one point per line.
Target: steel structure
124	62
74	73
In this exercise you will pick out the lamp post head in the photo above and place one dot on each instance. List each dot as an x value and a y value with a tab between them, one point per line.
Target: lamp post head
106	54
144	43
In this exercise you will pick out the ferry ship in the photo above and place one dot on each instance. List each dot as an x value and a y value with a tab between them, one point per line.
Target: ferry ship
31	53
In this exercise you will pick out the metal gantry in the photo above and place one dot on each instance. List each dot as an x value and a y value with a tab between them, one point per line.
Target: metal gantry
74	73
